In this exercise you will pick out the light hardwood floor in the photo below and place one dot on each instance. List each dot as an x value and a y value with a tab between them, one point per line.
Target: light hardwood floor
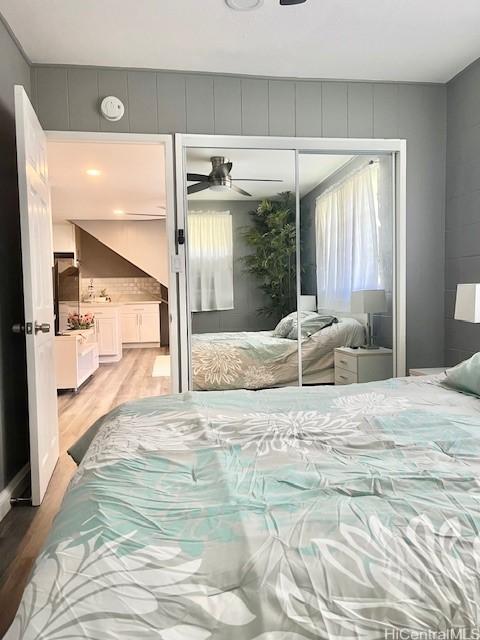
24	530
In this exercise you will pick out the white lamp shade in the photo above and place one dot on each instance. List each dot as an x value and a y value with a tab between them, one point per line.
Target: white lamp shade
368	301
467	304
308	303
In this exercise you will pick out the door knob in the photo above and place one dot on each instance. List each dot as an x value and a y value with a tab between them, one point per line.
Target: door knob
42	328
18	328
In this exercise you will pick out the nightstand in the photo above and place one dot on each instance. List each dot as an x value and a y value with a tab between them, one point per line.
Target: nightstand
434	371
362	365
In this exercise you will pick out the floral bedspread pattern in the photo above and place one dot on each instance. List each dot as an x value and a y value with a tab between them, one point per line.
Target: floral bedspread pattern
259	360
292	514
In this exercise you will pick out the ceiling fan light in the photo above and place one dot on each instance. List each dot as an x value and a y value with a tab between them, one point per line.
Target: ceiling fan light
244	5
220	187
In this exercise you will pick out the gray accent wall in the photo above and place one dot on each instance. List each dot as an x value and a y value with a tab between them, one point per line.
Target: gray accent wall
67	98
462	236
247	297
14	69
99	261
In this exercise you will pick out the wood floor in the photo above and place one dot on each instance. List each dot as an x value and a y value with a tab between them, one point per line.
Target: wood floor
23	531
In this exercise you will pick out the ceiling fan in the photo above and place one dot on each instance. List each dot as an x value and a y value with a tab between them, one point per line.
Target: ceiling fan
145	215
220	179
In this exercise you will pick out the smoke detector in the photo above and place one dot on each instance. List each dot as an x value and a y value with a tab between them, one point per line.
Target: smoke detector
112	108
244	5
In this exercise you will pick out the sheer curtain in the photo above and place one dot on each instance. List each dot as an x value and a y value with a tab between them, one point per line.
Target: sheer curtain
347	239
210	252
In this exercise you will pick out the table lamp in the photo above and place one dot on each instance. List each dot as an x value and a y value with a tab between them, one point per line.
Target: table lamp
369	301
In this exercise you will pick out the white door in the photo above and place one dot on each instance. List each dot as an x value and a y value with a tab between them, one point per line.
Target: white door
150	326
37	261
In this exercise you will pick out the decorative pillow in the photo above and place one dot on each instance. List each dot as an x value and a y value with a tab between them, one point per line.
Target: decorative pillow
311	324
285	325
465	376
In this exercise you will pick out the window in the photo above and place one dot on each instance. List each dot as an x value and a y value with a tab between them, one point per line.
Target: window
348	239
210	250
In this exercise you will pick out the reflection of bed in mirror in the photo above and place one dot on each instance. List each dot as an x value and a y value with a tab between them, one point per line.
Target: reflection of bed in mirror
260	359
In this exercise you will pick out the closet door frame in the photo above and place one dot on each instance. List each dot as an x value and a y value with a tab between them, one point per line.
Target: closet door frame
397	148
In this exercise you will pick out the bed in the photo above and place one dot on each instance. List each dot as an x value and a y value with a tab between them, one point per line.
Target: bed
259	360
288	514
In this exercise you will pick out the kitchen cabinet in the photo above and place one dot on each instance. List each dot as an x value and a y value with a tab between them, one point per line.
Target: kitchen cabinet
141	324
107	330
76	358
130	331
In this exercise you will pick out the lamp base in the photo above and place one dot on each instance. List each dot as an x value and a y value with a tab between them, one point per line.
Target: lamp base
369	346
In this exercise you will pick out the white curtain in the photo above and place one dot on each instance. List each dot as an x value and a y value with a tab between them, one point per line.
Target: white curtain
210	252
347	239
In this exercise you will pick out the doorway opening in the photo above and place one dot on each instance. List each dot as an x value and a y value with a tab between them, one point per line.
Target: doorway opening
111	274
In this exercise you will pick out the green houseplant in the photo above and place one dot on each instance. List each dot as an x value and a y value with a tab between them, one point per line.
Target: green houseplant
272	238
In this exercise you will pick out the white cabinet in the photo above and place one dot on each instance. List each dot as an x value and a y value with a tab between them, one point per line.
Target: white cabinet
141	324
129	326
76	358
150	324
63	235
362	365
107	330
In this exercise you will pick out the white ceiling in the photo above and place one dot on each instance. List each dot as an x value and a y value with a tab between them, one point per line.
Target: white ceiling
132	179
256	163
413	40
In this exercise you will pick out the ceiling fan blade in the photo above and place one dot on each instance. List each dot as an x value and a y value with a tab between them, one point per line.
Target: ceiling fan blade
238	190
200	186
145	215
196	177
255	180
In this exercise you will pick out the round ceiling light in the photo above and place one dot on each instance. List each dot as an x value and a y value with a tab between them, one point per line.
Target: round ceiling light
244	5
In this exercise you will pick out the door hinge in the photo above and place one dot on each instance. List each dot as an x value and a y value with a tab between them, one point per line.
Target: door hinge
181	236
177	264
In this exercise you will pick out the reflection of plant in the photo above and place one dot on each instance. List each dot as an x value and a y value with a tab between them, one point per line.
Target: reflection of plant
272	236
76	321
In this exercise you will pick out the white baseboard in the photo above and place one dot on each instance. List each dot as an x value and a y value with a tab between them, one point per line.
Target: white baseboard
140	345
14	488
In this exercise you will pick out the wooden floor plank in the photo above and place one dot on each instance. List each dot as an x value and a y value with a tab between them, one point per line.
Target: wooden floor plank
24	530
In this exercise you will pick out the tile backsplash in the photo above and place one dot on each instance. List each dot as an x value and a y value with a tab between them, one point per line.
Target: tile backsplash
121	286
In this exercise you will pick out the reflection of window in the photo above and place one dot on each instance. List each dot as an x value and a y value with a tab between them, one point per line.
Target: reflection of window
347	235
210	252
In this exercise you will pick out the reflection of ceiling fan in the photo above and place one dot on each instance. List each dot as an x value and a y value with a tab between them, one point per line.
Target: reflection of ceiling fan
219	179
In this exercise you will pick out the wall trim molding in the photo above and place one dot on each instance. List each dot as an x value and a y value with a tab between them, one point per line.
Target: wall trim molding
14	488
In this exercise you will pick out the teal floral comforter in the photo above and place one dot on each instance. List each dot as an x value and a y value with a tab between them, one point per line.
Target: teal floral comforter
290	514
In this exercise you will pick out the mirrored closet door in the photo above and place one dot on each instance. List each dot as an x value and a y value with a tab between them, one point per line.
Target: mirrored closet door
294	261
346	231
241	249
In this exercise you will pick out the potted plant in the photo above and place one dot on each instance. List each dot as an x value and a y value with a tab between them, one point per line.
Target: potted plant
272	238
80	322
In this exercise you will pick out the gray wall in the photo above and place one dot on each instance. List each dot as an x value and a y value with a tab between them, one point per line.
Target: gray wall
13	400
99	261
247	297
68	97
462	237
